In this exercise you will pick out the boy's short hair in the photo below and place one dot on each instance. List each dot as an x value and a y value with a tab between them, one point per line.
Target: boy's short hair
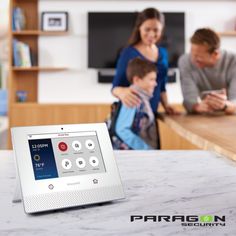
140	68
206	36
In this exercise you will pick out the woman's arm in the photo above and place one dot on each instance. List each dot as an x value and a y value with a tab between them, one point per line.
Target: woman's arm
120	84
127	95
168	108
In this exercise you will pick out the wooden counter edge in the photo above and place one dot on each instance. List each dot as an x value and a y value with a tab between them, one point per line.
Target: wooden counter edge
196	139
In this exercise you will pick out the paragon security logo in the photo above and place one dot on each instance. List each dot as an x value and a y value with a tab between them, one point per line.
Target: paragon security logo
188	220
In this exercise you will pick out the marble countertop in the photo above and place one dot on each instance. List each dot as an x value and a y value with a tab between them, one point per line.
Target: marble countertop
155	183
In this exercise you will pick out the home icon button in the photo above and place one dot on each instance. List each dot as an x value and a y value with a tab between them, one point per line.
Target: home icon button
50	186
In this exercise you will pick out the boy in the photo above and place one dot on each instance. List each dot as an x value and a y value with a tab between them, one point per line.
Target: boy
135	128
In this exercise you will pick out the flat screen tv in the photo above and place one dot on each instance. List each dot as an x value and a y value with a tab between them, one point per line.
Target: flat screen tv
108	33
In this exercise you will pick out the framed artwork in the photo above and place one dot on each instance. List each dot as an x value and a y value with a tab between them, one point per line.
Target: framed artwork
54	21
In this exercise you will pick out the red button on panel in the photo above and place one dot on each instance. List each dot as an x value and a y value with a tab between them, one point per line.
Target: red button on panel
62	146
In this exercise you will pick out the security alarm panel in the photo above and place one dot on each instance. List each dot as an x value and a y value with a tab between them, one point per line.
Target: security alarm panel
63	166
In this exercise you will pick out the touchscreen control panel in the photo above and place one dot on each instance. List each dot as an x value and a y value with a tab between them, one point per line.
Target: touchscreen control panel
65	154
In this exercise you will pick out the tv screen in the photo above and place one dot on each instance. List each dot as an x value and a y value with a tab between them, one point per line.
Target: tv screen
109	33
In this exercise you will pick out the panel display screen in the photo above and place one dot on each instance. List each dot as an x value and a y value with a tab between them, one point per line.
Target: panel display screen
65	154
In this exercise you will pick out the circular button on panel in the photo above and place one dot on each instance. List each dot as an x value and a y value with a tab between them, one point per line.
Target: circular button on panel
62	146
76	145
89	144
80	162
36	157
93	161
66	164
50	186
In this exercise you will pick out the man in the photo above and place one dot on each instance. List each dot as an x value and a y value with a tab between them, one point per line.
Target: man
208	68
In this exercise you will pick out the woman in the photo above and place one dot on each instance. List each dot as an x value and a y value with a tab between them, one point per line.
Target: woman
143	43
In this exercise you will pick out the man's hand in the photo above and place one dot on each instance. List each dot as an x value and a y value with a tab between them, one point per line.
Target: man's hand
127	95
217	101
202	107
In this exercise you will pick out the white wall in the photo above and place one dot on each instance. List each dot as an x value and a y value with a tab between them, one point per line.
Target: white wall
79	84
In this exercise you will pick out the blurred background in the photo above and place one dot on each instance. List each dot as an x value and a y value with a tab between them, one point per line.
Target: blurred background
68	72
4	9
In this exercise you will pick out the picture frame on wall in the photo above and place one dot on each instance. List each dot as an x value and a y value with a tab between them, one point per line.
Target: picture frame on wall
54	21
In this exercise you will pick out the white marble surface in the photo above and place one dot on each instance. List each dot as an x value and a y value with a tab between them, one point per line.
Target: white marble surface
155	182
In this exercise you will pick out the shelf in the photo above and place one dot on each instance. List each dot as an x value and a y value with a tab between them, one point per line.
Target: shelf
25	104
38	33
227	33
31	112
36	68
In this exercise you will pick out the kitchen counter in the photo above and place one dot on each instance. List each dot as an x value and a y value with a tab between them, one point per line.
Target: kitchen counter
155	183
209	132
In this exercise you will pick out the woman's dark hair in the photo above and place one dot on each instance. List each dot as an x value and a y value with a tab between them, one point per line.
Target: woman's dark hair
146	14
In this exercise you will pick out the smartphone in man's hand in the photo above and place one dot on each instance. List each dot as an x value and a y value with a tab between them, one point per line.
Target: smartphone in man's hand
209	92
